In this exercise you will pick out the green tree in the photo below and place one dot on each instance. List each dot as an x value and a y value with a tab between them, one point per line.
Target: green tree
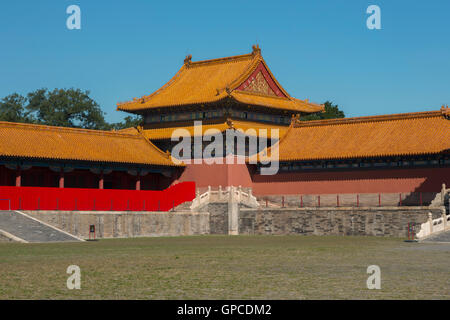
128	121
331	112
66	108
60	107
12	108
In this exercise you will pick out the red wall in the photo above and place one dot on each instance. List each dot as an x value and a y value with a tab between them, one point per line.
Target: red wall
325	182
215	175
42	198
361	181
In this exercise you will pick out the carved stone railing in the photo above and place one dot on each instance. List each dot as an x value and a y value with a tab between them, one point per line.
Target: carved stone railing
441	224
233	194
441	198
434	226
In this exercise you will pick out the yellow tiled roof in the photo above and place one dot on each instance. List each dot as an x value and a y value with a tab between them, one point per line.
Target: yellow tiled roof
166	133
376	136
47	142
275	102
131	130
209	81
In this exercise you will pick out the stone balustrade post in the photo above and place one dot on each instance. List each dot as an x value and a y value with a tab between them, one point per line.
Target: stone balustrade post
444	219
430	221
233	213
209	193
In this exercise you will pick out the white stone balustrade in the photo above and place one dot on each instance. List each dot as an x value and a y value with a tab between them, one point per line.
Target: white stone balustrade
433	226
221	196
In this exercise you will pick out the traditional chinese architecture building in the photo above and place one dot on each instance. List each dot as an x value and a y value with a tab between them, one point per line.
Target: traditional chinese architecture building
238	92
45	156
407	152
390	153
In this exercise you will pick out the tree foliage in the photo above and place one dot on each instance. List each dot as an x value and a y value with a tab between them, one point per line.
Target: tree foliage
65	108
12	108
128	121
60	107
331	112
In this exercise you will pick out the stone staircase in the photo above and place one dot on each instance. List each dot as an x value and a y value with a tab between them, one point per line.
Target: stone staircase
434	228
237	195
20	227
440	237
442	199
185	206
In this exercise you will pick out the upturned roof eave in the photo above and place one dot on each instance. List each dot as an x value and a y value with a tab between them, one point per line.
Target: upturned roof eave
139	106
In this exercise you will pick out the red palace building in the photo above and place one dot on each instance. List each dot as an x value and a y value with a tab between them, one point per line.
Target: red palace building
390	153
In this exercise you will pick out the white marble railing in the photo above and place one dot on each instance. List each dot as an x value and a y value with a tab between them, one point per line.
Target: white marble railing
433	226
234	194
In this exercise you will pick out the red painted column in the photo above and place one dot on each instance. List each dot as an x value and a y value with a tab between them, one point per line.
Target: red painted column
138	182
61	178
100	181
18	177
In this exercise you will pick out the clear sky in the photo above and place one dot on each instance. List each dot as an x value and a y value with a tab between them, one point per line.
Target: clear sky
320	50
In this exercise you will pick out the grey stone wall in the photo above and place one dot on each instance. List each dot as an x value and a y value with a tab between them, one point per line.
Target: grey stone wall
218	217
351	200
126	224
213	219
370	221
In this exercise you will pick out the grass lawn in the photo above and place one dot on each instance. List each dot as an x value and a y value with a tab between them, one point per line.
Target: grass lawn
227	267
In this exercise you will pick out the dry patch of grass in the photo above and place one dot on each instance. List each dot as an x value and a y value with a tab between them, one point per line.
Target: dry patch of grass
224	267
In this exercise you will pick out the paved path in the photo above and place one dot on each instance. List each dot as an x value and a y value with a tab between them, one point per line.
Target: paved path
29	229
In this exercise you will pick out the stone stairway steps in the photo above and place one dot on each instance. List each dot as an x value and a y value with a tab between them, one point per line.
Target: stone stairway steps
185	206
439	237
26	228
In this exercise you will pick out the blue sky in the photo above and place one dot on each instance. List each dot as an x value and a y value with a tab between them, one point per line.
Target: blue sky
320	50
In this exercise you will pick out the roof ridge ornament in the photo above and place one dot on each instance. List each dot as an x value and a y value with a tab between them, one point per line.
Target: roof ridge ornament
445	110
200	79
230	123
256	49
187	60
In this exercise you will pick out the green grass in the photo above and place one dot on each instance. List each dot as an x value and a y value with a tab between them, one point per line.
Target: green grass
227	267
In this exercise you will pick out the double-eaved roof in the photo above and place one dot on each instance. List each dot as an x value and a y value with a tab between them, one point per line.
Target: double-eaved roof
407	134
244	78
30	141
